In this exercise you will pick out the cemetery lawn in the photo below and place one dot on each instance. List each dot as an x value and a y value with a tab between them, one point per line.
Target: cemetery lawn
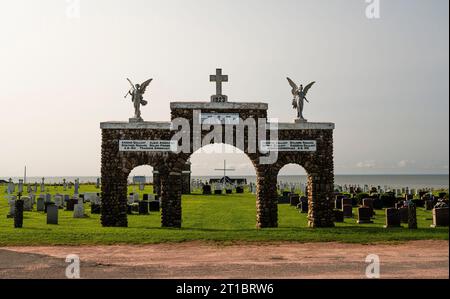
225	219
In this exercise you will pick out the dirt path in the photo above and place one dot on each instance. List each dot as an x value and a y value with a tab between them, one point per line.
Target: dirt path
416	259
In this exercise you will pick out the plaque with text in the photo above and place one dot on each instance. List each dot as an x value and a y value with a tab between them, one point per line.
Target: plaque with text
148	145
219	118
289	145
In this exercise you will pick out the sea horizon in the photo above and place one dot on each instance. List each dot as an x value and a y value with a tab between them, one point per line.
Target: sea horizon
416	181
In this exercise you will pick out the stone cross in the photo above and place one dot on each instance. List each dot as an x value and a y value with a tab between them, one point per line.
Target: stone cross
219	79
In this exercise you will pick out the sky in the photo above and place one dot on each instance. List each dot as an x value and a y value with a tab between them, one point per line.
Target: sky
382	81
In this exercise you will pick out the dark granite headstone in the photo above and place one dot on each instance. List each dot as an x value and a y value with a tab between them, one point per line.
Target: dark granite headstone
347	201
206	189
338	215
218	192
440	217
429	205
95	208
40	205
294	199
338	203
52	214
399	205
239	190
145	197
348	211
412	216
129	209
403	214
368	203
143	207
154	206
377	204
18	213
364	215
229	191
392	218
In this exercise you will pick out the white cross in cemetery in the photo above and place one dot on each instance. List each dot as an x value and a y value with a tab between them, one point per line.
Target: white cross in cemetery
219	78
224	169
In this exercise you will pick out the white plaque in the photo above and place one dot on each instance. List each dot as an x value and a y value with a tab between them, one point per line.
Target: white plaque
148	145
289	145
219	118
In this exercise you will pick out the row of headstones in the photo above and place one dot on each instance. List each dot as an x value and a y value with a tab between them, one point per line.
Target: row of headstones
354	189
51	209
149	203
403	212
218	190
11	186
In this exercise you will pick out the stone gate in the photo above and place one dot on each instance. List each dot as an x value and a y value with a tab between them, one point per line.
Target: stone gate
167	147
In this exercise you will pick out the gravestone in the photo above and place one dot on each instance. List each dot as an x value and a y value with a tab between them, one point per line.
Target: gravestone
18	213
347	201
40	204
206	189
364	215
145	197
347	211
59	201
403	214
27	204
229	191
338	202
440	217
368	203
48	197
377	204
294	199
95	208
304	205
239	190
70	206
46	204
43	185
143	207
76	187
52	214
217	191
412	216
399	205
12	207
78	210
338	215
392	218
154	206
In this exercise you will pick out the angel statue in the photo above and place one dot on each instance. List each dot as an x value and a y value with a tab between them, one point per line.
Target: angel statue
299	94
137	91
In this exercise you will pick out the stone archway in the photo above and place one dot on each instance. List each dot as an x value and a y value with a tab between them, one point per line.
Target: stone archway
119	158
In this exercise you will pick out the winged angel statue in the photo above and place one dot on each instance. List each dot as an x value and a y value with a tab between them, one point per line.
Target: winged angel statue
299	94
137	92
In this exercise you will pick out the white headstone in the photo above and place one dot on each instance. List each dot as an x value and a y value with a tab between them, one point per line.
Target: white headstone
78	211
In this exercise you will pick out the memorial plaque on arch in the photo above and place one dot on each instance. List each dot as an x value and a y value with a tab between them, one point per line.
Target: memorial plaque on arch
288	145
148	145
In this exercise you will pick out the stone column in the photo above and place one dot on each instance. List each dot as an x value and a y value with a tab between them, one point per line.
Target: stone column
320	195
171	199
266	197
114	184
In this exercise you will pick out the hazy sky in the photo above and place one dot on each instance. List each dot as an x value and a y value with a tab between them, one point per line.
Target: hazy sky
384	82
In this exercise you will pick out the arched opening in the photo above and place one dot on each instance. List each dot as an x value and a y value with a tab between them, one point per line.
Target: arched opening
230	175
293	197
292	178
140	181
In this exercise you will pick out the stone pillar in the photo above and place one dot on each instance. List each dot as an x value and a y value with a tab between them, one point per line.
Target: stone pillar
320	196
171	199
266	197
114	184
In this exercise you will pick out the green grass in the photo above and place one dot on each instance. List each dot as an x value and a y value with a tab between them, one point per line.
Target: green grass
223	219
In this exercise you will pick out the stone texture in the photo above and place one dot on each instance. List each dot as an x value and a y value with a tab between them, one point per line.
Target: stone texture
117	165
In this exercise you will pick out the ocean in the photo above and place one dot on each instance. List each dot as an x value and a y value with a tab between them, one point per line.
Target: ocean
395	181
